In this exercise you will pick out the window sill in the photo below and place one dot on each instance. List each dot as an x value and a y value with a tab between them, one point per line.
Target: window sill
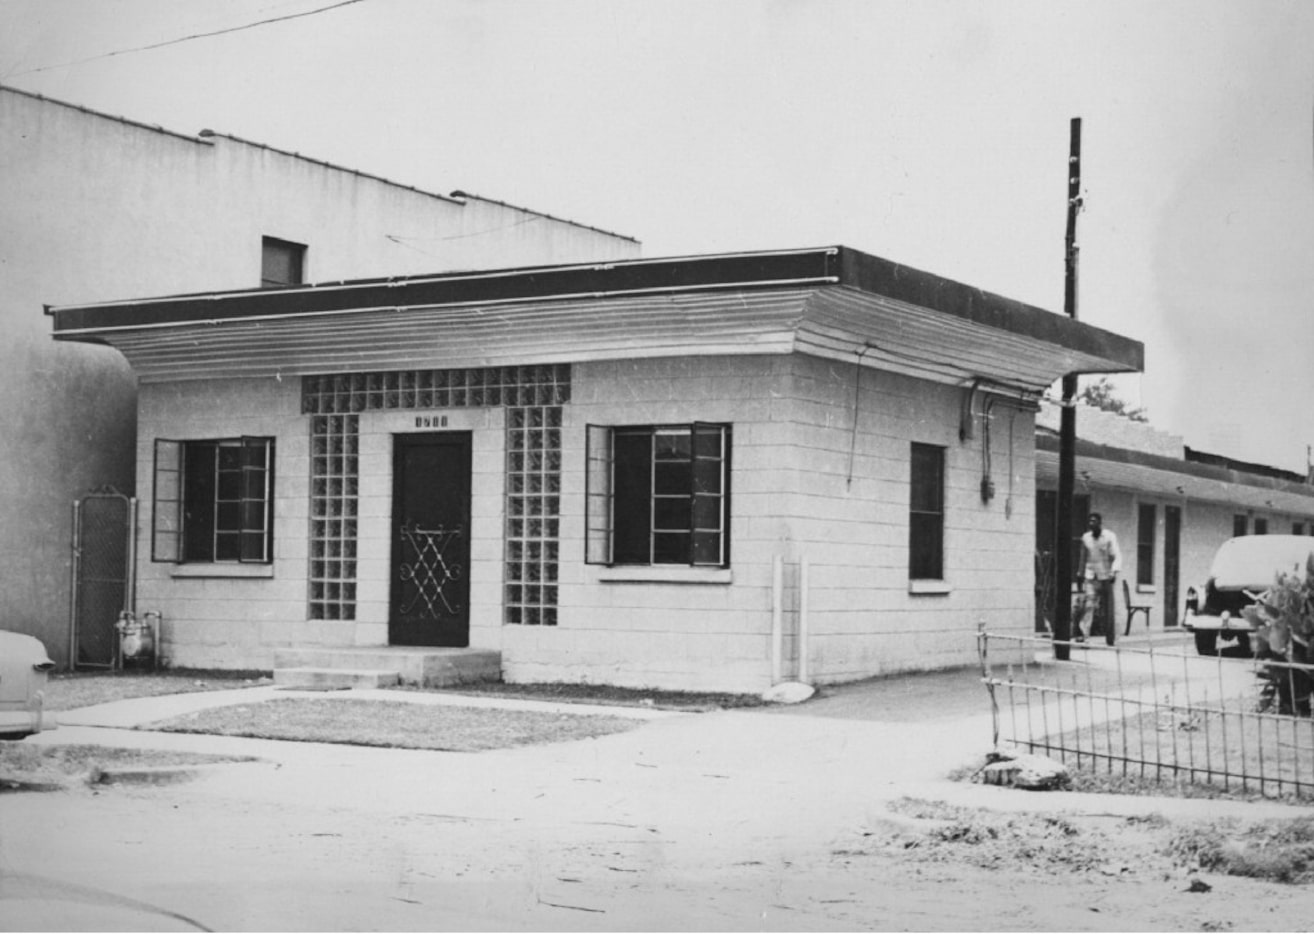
665	575
930	587
1146	588
223	570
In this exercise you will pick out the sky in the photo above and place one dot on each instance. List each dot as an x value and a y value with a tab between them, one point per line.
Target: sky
933	133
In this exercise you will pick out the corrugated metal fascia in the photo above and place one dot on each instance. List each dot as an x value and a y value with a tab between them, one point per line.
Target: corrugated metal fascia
920	340
682	325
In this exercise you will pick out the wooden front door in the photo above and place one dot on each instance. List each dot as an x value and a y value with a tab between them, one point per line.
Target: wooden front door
430	603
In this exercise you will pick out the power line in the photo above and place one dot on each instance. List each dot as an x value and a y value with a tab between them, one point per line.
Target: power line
199	35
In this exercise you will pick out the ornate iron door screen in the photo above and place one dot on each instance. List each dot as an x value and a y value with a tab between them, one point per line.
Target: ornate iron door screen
429	569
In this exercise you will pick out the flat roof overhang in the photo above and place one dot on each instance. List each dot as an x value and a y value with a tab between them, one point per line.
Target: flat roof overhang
1100	466
830	301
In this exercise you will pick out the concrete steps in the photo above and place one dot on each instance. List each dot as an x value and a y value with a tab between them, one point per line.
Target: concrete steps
381	666
335	678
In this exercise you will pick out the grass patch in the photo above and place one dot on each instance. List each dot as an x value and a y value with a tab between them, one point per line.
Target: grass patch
392	724
1203	753
71	690
33	764
607	694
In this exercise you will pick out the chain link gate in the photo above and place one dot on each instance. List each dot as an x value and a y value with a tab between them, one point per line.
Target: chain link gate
104	558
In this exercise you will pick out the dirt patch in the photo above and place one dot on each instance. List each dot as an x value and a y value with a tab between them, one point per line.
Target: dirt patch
1134	848
26	765
71	690
392	724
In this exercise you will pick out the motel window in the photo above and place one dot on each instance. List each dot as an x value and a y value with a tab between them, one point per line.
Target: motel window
1238	526
926	514
281	263
1261	526
213	501
1146	520
658	495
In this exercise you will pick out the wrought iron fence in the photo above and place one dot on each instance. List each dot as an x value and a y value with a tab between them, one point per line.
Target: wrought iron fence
1155	710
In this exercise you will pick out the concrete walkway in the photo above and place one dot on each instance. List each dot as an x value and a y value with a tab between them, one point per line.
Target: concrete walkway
865	743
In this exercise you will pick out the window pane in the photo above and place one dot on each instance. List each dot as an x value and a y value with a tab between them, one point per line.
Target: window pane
254	547
1146	520
927	478
253	516
671	444
670	548
707	513
671	477
1238	526
632	497
707	441
927	548
707	548
230	484
670	513
926	513
227	546
228	516
198	501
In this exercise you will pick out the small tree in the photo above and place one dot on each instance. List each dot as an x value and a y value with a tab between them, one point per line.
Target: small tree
1283	619
1101	395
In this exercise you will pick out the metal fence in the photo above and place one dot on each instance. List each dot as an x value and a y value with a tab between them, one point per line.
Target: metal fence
1155	710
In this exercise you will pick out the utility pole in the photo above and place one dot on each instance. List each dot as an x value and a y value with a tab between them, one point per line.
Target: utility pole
1063	570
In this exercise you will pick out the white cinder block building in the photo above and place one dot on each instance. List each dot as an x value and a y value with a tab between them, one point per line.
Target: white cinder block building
648	473
95	207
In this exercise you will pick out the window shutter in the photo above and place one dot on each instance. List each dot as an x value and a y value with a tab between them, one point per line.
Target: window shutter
707	494
256	500
166	513
598	495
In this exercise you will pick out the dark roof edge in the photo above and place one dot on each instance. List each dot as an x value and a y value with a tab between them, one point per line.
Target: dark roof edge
928	290
1203	457
1268	479
466	195
767	269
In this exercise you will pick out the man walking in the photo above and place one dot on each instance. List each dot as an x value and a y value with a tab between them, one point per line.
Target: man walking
1103	563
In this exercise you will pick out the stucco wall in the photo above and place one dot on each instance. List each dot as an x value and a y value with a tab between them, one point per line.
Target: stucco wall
97	208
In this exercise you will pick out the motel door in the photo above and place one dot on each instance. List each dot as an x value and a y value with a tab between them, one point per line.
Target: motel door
430	602
1172	564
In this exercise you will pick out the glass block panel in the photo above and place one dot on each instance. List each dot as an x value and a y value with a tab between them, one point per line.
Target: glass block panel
532	396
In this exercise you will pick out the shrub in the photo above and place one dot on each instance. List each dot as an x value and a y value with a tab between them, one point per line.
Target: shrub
1283	618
